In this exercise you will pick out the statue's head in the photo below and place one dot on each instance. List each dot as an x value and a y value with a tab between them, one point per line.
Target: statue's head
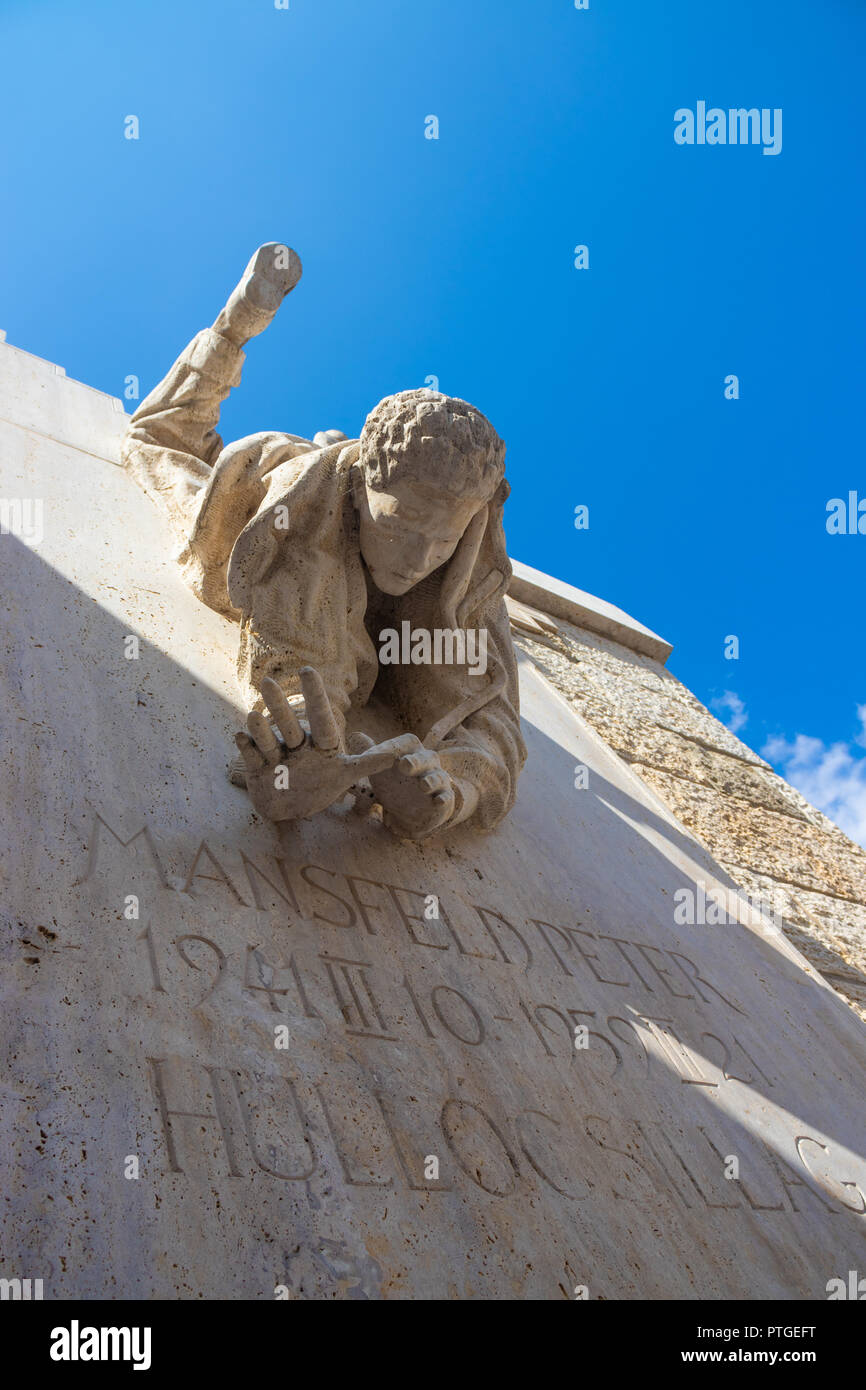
428	463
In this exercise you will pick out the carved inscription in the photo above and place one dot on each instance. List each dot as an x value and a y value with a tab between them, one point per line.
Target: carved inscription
472	983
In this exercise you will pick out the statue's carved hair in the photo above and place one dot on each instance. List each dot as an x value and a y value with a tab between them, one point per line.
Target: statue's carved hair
439	440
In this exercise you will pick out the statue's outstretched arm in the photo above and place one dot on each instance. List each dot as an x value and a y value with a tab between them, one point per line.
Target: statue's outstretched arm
172	444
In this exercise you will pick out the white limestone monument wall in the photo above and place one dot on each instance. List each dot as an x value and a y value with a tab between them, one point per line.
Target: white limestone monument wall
242	1062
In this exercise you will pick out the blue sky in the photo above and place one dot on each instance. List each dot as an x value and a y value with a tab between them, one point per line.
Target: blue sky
455	258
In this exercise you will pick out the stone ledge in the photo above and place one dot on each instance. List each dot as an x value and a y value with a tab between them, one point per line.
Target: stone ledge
562	600
38	396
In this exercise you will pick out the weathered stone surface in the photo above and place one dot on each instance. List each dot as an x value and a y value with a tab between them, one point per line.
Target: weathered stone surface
603	680
829	931
411	1038
757	837
767	836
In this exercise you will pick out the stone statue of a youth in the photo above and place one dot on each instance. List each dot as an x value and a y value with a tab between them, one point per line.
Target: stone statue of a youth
315	547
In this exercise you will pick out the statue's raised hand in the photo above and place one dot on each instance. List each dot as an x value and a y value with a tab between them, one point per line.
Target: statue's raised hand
301	772
272	273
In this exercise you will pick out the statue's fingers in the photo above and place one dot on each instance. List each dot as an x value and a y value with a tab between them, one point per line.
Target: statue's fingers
418	762
282	713
253	760
320	717
436	781
381	756
263	735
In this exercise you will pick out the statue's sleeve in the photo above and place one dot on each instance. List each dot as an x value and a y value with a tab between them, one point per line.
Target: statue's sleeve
171	442
484	754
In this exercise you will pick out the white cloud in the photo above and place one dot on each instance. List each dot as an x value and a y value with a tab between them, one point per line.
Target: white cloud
831	776
731	703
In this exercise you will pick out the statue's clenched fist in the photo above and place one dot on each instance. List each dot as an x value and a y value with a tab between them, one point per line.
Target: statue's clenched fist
415	792
272	273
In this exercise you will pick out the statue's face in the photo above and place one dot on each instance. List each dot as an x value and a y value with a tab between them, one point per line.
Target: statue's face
409	531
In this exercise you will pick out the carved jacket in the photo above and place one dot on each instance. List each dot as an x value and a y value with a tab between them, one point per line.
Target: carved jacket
278	551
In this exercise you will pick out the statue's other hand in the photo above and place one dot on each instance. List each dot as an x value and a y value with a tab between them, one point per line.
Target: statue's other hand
416	793
303	772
